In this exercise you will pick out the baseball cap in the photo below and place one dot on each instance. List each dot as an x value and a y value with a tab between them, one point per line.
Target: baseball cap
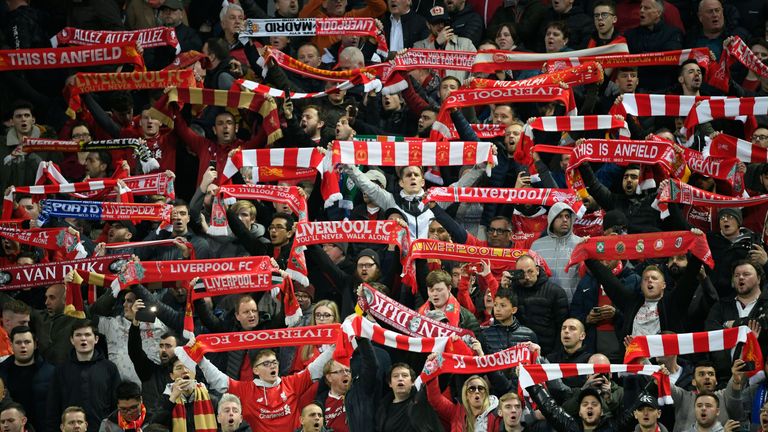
437	14
172	4
647	400
377	176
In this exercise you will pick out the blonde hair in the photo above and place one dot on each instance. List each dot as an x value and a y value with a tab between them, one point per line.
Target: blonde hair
469	419
307	350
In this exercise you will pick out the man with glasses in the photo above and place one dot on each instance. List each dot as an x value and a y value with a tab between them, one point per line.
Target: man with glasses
760	137
349	396
130	413
281	232
271	401
604	16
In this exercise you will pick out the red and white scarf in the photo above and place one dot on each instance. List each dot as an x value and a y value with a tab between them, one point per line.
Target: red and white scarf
661	58
441	128
287	62
52	239
509	358
643	246
524	148
726	146
401	318
146	38
369	85
324	334
495	60
532	374
347	231
586	73
530	196
436	249
357	326
293	27
71	57
656	105
288	195
623	152
736	50
419	153
423	59
43	275
714	167
699	342
711	109
154	243
682	193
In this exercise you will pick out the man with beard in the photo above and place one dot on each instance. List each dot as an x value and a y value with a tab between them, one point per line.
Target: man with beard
590	412
27	376
731	243
153	375
707	414
704	297
306	132
690	78
426	119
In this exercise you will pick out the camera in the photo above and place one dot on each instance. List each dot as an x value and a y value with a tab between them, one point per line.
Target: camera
516	274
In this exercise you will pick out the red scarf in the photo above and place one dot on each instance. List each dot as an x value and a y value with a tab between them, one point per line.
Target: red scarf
358	231
408	153
395	80
37	275
726	146
202	412
167	271
52	239
452	310
509	358
715	167
135	425
736	50
287	62
436	249
620	151
711	109
642	246
288	195
104	211
441	129
537	197
65	58
586	73
147	38
683	193
495	60
661	58
700	342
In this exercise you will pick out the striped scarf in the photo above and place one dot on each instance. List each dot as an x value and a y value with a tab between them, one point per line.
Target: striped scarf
202	408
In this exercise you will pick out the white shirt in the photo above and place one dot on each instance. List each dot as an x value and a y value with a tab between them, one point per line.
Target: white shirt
396	34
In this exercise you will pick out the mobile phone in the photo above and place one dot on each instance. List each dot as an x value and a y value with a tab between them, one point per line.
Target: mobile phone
595	310
148	314
212	163
516	274
748	366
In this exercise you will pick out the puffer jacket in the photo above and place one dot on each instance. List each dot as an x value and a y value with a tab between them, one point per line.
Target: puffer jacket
560	421
543	308
556	251
499	337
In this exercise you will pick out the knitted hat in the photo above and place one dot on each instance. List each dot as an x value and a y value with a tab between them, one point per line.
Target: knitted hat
736	213
371	254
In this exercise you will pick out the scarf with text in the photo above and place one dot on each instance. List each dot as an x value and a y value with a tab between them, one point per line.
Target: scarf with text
101	82
699	342
203	414
682	193
71	57
37	275
168	271
441	128
409	153
495	60
532	374
140	149
622	152
52	239
436	249
243	283
726	146
289	63
660	58
86	186
395	81
185	60
715	167
711	109
145	38
369	85
642	246
387	232
524	149
407	321
293	27
530	196
321	334
476	365
288	195
265	107
104	211
357	326
736	50
586	73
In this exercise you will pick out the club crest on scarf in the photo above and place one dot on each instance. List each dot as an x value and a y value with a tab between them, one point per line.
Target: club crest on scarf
133	272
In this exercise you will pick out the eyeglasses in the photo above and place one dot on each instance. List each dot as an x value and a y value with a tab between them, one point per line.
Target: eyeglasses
475	389
498	231
276	228
131	408
268	363
81	135
365	265
602	15
325	315
759	137
341	371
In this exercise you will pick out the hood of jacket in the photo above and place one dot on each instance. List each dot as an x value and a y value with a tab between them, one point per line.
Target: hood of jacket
553	212
97	356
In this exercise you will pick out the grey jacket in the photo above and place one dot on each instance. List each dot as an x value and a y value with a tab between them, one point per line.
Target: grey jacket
685	415
556	251
456	43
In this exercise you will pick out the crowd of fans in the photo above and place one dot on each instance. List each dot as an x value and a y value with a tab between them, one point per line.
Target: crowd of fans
120	368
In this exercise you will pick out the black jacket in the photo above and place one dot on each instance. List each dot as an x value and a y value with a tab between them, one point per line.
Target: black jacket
726	252
154	377
543	308
89	384
579	24
581	355
560	421
499	337
423	416
532	16
662	37
414	27
32	395
364	392
672	306
468	24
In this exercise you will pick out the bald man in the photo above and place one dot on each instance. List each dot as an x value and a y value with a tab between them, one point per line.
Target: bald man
611	394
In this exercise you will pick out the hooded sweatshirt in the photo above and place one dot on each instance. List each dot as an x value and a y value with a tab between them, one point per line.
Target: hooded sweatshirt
556	251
